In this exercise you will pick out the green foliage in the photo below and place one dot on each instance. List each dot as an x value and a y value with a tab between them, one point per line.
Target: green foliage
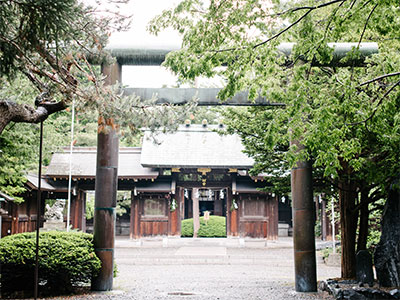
328	251
90	206
65	260
336	118
215	227
123	203
375	224
317	229
115	270
346	118
373	239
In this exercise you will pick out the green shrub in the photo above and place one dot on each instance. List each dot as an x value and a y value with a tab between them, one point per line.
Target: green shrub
66	259
216	227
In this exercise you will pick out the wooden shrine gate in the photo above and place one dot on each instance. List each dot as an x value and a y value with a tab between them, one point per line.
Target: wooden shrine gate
107	162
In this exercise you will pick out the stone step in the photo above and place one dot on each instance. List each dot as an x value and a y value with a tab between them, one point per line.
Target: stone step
199	260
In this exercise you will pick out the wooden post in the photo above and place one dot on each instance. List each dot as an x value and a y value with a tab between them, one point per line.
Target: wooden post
72	212
174	217
182	205
303	227
78	211
83	211
274	218
196	212
135	217
106	191
324	221
316	199
228	212
15	219
28	212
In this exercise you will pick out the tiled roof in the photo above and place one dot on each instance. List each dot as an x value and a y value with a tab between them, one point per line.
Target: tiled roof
32	182
6	197
84	164
194	146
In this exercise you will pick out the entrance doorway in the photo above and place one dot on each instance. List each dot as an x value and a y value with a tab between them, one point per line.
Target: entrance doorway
212	200
212	203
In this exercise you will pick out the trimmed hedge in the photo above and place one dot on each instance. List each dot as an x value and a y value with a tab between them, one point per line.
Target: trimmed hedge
66	259
216	227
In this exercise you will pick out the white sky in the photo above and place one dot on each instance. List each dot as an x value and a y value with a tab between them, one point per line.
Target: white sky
143	11
137	37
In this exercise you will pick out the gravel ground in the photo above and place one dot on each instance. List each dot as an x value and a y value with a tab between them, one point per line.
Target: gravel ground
243	273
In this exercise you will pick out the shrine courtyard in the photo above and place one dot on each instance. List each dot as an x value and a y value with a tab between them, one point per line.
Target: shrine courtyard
201	268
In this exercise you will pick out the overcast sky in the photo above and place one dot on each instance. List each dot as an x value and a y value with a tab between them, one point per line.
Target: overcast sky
137	37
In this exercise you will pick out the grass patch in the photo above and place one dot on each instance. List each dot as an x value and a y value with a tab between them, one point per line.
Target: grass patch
215	227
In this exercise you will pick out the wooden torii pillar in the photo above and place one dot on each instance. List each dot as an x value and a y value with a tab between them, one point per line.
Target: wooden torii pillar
106	191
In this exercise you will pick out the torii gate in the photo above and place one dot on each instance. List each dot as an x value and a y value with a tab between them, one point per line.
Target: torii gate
107	163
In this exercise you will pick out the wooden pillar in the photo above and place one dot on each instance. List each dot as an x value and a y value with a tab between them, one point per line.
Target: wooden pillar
316	200
15	219
231	214
325	222
106	191
303	226
174	217
182	206
273	218
228	212
79	211
74	212
28	213
196	212
135	217
83	211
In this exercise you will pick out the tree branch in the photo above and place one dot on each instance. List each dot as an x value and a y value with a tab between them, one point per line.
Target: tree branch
379	103
366	24
308	8
379	78
14	112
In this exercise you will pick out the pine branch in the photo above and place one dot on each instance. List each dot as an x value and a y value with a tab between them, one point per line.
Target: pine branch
13	112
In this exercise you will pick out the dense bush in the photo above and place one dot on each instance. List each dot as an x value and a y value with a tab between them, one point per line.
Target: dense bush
65	260
216	227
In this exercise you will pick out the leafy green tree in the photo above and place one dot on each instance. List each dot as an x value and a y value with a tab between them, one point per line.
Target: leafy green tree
347	118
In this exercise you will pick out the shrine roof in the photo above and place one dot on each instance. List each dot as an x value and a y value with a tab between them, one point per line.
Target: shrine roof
6	197
33	182
194	146
84	164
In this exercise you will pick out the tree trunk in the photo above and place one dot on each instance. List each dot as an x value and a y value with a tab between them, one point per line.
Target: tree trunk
387	252
348	221
363	227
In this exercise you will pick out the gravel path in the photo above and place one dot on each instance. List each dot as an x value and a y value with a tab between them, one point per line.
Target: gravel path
238	273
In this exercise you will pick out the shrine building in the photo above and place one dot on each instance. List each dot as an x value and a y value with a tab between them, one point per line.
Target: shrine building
168	175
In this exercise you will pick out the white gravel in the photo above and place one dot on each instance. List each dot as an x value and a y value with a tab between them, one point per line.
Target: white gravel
243	273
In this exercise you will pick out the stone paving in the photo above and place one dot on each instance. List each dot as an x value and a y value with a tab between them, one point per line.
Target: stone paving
207	269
